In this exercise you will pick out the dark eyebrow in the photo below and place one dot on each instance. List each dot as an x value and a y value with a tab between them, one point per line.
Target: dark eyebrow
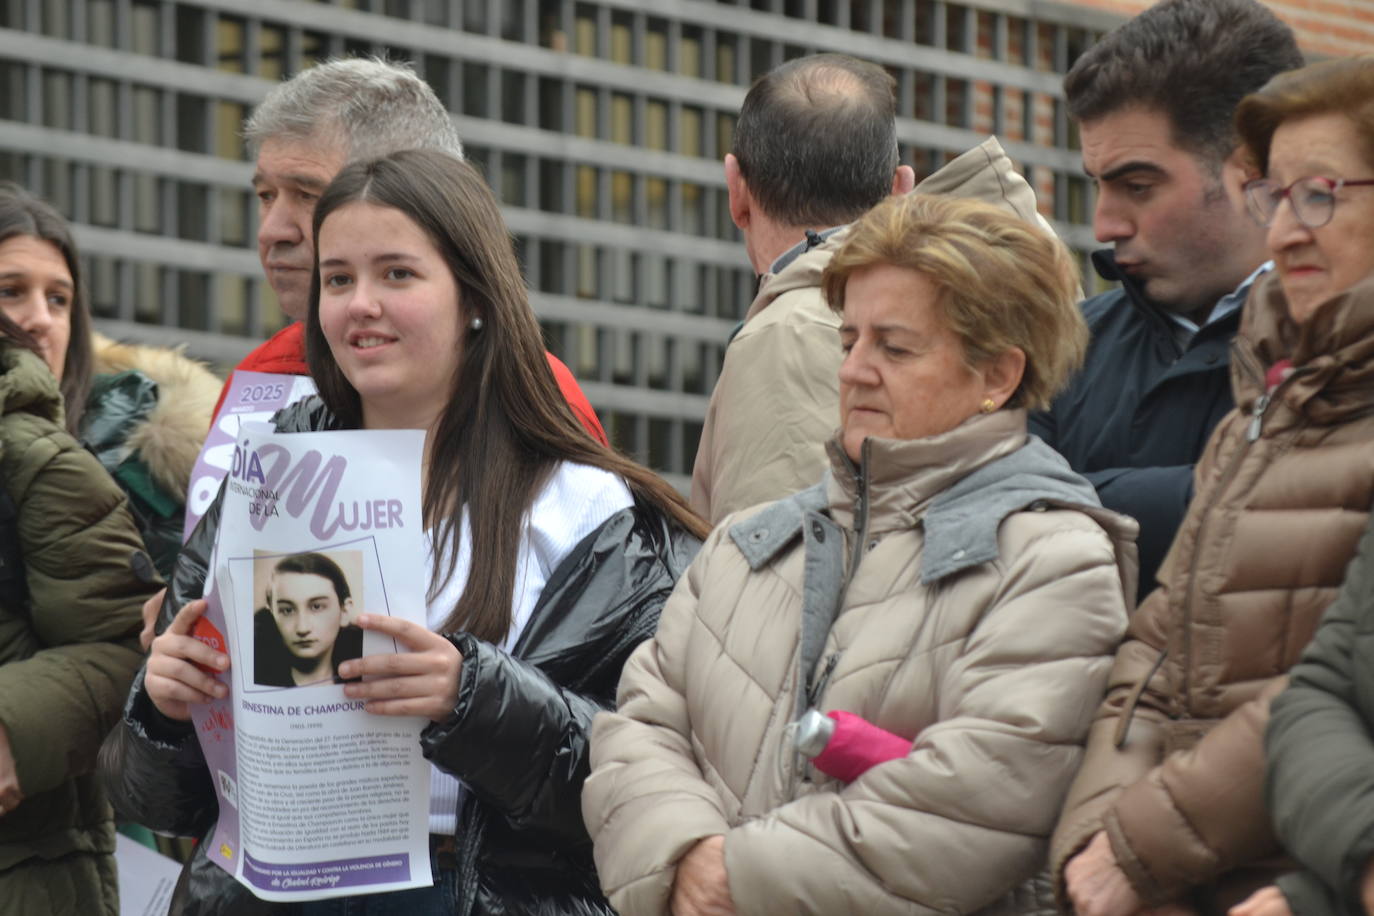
21	275
379	259
1127	168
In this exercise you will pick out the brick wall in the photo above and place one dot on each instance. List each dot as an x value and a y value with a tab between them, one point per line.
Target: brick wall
1330	28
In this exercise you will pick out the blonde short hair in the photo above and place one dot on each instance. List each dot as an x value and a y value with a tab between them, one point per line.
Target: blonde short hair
1004	282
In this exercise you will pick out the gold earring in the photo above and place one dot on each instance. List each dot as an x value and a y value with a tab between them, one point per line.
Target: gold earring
988	405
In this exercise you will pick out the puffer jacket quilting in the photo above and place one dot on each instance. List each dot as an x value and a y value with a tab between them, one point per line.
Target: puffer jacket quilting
1283	495
993	669
68	644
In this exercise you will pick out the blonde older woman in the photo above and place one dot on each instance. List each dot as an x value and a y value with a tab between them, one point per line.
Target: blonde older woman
950	580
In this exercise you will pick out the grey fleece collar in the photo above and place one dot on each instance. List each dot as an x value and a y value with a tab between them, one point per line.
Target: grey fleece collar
760	537
962	522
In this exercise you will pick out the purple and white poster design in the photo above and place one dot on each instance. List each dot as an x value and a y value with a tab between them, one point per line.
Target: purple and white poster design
252	397
317	797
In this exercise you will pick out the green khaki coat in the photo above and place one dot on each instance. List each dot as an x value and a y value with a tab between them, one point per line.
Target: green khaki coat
68	651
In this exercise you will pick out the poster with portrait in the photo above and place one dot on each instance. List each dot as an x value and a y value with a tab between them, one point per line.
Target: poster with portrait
317	797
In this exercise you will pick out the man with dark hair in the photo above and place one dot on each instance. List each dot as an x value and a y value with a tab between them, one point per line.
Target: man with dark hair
814	149
816	142
1154	100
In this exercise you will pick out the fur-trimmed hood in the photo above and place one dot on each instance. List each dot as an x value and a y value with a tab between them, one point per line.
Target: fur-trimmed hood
170	438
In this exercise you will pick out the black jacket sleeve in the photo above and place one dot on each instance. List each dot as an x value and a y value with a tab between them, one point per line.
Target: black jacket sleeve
518	736
1157	497
1320	784
152	767
153	770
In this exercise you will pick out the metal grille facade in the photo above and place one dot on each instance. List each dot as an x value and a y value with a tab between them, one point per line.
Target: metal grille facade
601	125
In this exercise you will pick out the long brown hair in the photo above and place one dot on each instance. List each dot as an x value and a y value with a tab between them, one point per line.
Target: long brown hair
506	424
16	335
22	214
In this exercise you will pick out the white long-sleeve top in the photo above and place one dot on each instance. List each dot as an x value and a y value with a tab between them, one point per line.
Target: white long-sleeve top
577	499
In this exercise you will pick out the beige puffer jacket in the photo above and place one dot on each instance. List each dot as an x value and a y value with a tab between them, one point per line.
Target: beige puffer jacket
778	396
981	631
1175	763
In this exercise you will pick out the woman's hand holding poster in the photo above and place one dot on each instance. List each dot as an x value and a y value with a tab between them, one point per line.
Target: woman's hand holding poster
317	798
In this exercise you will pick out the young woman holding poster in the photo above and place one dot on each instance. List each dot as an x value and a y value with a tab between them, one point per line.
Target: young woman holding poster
551	557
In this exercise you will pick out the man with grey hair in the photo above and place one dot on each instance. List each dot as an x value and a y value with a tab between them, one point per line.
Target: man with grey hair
307	129
303	133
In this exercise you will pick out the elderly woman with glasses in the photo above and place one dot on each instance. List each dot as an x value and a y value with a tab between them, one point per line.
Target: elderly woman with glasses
1169	805
1314	129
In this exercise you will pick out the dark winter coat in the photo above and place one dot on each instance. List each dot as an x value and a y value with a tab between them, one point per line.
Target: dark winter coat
1320	786
517	737
1137	416
69	621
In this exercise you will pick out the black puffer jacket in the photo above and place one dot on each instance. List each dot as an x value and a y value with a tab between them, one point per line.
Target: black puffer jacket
517	737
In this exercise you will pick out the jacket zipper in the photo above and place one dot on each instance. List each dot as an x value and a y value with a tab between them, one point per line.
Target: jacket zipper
817	689
813	693
860	519
1243	357
814	689
1264	400
1257	417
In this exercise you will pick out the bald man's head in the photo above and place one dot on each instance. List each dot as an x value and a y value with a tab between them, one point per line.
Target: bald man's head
817	140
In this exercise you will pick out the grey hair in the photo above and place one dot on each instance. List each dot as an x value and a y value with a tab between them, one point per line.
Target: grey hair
369	106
